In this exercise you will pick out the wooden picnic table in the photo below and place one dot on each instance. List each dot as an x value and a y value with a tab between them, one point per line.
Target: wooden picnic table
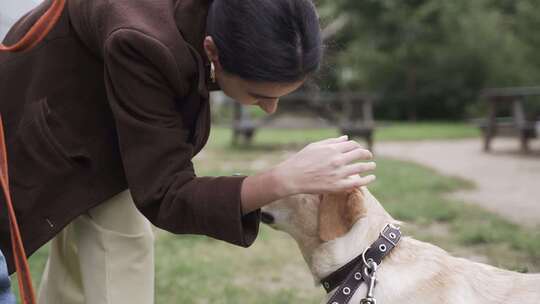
350	112
518	125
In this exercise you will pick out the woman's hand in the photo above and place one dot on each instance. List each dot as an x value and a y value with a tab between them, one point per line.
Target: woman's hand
321	167
325	166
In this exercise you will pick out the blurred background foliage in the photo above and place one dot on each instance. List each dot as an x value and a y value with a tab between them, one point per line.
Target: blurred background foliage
428	59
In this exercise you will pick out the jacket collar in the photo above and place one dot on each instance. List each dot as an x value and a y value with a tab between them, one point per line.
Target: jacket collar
190	17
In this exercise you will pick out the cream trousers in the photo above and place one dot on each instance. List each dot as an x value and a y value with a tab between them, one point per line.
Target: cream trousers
105	256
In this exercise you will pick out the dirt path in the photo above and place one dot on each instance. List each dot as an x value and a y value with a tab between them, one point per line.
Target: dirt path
507	182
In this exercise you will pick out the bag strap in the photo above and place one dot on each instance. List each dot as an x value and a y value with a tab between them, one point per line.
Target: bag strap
26	289
39	30
35	35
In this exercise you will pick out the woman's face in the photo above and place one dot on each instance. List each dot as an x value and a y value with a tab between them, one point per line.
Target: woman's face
266	95
263	94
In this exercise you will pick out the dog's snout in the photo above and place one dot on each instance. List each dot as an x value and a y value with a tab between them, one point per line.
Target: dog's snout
267	218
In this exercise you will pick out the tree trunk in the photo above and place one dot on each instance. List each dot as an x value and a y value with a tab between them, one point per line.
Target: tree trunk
412	114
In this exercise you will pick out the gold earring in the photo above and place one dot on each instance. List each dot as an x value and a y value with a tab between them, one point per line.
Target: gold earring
212	72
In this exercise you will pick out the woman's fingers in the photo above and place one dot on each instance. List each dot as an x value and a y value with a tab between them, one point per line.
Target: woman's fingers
333	140
357	154
347	146
330	165
358	168
357	181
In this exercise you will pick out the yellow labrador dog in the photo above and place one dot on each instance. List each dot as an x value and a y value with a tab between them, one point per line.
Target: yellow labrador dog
332	230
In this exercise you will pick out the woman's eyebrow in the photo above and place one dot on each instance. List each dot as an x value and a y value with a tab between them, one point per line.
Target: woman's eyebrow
261	96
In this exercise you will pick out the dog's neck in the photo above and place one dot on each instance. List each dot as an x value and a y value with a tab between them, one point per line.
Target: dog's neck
329	256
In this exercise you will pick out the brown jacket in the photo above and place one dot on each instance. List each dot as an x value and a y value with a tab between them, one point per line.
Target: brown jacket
115	97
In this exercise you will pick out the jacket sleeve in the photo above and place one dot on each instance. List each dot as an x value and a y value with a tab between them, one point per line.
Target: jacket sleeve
143	82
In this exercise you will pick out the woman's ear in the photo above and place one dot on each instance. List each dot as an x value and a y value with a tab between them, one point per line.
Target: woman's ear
338	213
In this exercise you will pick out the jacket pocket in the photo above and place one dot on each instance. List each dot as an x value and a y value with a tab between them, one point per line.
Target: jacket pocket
43	156
59	136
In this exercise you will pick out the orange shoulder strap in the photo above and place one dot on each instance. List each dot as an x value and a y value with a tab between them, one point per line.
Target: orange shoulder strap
39	30
34	36
26	290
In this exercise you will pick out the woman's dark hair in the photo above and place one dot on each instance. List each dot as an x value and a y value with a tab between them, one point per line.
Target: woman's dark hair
266	40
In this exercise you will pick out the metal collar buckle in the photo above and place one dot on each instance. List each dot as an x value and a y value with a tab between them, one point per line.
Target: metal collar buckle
388	233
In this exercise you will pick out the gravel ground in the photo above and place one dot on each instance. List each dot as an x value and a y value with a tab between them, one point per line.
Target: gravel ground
507	181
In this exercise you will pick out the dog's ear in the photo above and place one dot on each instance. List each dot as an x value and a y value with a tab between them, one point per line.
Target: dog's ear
338	213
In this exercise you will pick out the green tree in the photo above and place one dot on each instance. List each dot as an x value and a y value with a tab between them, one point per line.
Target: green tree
430	58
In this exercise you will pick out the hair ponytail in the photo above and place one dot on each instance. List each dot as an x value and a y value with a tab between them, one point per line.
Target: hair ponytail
266	40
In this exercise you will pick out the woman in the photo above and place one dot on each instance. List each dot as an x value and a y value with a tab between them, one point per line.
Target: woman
116	98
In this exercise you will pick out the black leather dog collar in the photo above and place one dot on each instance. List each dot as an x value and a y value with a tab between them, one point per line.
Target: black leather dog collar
350	276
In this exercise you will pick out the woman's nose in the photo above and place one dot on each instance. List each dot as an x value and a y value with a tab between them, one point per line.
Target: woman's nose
269	106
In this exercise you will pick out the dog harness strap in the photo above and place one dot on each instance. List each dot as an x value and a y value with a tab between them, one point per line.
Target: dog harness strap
388	240
334	279
349	286
26	289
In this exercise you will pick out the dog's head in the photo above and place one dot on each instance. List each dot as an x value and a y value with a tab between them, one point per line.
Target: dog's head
323	217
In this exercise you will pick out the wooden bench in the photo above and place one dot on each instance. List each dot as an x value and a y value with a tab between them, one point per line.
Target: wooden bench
518	125
351	113
357	116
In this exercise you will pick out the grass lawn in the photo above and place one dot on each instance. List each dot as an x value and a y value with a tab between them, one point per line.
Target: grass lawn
385	131
195	269
425	130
